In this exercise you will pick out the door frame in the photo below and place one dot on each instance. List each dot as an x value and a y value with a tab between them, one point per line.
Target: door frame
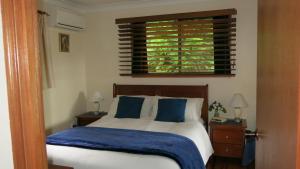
23	71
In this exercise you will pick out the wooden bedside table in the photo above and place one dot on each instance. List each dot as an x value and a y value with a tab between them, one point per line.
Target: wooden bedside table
89	117
228	138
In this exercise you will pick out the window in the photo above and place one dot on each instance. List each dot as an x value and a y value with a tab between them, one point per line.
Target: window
188	44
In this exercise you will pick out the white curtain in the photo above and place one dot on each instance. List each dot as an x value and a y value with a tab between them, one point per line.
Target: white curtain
48	81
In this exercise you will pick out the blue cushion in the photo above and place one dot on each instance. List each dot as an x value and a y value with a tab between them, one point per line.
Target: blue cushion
129	107
171	110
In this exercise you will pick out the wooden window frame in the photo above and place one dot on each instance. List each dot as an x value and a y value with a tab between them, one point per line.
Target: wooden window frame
23	71
224	58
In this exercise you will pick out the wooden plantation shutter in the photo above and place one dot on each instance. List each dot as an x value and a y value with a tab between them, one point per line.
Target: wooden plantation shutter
185	44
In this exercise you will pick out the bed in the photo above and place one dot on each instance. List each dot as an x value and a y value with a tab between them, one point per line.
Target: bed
81	158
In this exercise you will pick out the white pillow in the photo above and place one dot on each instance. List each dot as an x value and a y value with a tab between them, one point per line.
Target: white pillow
146	110
192	109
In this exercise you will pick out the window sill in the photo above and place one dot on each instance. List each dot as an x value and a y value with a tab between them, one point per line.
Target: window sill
177	75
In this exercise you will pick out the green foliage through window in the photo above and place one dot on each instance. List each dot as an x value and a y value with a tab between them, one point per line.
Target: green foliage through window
176	48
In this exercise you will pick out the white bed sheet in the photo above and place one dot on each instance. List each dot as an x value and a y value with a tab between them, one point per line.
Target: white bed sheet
80	158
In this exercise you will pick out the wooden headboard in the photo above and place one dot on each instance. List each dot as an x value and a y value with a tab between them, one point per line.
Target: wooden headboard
167	90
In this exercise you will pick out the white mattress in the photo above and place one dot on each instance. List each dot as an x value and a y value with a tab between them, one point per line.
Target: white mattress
80	158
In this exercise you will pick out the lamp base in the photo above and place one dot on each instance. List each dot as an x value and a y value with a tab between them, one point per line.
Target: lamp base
238	114
237	120
96	113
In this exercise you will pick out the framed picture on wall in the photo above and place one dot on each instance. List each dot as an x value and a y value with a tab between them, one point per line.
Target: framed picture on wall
64	42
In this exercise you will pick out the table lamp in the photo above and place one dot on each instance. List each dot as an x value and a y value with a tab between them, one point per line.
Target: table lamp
96	99
238	102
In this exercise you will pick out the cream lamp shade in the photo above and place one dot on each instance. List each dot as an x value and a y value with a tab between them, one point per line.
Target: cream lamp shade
238	101
97	97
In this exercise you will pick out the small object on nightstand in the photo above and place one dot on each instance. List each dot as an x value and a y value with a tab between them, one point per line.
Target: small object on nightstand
228	138
219	119
89	117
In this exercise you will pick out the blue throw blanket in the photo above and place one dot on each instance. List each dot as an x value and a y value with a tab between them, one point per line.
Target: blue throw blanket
181	149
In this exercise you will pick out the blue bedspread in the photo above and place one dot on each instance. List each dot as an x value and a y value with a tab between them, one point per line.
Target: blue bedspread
181	149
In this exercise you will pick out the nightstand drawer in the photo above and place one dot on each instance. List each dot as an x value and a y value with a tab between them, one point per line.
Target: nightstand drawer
228	150
228	136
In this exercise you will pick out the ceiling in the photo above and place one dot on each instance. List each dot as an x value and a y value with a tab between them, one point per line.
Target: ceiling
111	2
95	5
101	2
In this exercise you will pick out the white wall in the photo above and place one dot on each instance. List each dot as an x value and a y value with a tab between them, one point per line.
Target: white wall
67	97
5	139
101	45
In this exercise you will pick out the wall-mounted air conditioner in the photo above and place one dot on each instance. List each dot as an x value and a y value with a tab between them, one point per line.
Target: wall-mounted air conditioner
67	19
